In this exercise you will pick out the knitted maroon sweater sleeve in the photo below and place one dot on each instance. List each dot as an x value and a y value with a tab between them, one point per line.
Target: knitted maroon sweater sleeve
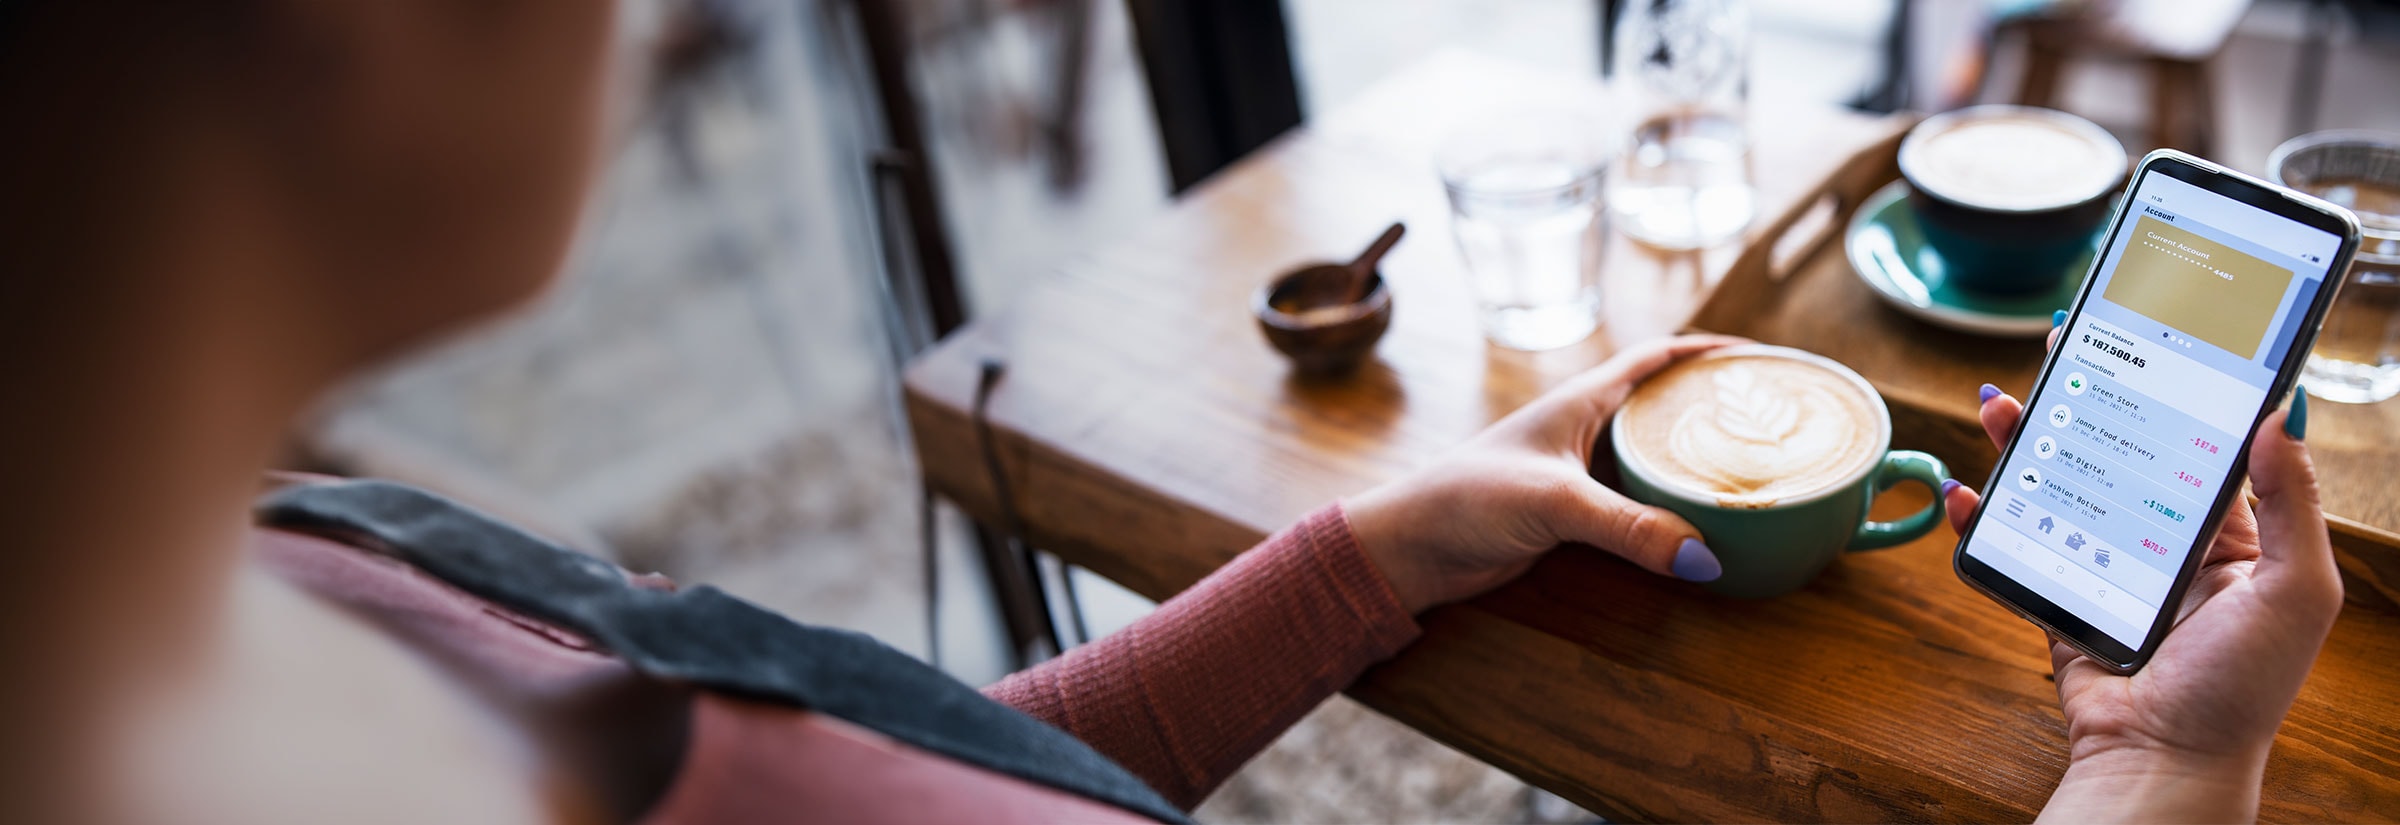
1186	695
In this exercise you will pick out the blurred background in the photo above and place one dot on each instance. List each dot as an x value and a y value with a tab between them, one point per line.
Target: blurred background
817	190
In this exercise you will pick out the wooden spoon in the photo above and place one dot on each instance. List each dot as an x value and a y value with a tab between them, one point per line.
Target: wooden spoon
1362	270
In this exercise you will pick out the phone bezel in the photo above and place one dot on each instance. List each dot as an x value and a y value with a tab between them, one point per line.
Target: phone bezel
2065	625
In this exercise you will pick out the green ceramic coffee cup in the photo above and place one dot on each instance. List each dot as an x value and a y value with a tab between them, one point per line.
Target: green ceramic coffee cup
1776	549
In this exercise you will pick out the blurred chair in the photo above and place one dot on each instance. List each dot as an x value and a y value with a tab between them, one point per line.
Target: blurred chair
2174	39
2323	17
1221	79
1221	83
922	278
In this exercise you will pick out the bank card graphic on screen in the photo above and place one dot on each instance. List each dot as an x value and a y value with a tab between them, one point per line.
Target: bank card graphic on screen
2209	290
2128	441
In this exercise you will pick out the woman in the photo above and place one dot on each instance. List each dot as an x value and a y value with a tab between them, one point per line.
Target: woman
214	211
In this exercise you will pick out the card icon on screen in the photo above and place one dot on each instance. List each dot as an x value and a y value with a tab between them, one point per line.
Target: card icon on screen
2198	287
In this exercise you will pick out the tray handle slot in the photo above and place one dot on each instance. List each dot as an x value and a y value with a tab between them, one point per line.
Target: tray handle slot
1778	252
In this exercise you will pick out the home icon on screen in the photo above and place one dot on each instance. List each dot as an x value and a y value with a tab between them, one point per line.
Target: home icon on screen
2045	524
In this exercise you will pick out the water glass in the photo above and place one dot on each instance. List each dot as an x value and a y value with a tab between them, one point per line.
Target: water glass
1525	205
2357	355
1681	70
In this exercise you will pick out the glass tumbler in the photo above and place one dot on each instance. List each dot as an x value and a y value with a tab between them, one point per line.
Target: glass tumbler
1681	69
2357	356
1525	205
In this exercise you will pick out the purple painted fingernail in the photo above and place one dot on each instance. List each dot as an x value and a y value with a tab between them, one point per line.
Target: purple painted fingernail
1988	393
1949	484
1694	562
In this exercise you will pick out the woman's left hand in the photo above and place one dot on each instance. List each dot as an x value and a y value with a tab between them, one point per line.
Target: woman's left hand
1481	514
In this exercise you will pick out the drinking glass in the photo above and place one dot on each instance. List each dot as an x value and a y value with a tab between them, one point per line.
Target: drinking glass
2357	355
1681	69
1525	204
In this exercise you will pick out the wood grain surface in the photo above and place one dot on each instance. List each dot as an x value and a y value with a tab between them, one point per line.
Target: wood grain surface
1151	434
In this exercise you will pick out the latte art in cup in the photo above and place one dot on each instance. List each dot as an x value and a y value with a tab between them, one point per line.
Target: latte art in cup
2014	162
1775	454
1752	430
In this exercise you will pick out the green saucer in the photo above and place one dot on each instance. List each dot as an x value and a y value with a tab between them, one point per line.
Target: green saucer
1891	256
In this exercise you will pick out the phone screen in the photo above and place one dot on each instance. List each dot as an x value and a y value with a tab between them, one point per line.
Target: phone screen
2127	443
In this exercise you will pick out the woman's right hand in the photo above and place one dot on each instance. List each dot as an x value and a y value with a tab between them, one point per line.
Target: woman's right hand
2186	738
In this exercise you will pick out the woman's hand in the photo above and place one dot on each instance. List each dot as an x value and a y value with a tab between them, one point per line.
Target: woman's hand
2186	738
1481	514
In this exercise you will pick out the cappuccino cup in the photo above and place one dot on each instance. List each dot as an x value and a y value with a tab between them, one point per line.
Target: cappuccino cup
1775	454
2010	195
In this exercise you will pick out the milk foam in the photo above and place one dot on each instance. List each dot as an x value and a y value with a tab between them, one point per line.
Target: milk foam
1751	430
2013	162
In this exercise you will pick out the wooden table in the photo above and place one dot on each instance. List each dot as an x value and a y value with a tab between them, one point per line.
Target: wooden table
1150	435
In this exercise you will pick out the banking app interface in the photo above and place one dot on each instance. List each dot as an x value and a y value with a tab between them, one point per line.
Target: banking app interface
2199	298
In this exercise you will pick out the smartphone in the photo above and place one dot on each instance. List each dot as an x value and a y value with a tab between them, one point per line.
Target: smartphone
2191	326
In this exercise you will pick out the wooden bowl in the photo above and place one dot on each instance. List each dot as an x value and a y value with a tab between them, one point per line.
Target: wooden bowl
1306	314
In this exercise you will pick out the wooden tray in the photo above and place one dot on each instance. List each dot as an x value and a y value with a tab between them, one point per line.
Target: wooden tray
1795	287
